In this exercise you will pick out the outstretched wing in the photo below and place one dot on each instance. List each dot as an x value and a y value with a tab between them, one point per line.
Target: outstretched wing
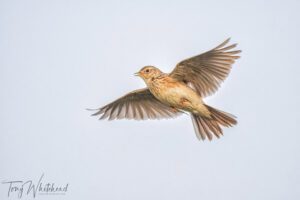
208	70
138	104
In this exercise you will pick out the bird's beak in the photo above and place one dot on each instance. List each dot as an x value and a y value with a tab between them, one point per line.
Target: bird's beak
137	74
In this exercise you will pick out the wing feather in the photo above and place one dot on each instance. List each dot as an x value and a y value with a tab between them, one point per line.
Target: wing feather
205	72
139	104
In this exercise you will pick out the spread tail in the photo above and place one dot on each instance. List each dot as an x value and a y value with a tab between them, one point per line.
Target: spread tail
205	127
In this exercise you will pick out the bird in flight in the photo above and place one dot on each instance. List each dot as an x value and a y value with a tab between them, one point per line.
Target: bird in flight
168	95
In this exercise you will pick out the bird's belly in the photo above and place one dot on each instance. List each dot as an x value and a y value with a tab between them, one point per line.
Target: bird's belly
182	97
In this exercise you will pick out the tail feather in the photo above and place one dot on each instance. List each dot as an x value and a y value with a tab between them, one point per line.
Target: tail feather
204	127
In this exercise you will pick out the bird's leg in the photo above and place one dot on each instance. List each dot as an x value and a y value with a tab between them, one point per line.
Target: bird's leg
174	110
182	101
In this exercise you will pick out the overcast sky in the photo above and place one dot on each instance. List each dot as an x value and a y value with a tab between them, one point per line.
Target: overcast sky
59	57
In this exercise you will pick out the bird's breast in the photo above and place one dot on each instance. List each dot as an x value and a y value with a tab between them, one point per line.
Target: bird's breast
172	93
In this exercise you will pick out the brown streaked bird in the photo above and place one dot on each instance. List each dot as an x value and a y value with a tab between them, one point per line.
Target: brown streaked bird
169	95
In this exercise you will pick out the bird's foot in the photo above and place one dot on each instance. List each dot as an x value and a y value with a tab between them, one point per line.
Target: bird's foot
174	110
182	101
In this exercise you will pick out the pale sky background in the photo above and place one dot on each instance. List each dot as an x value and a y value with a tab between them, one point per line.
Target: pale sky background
59	57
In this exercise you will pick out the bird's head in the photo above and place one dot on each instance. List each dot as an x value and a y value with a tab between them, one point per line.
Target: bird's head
147	73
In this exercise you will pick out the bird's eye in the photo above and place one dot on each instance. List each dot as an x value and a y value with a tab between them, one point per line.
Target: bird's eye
147	70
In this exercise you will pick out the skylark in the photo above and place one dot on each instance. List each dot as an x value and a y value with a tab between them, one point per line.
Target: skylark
169	95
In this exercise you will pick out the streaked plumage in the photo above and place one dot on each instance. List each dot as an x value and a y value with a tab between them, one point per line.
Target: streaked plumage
167	95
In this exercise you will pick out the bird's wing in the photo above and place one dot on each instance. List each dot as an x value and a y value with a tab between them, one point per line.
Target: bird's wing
208	70
138	104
